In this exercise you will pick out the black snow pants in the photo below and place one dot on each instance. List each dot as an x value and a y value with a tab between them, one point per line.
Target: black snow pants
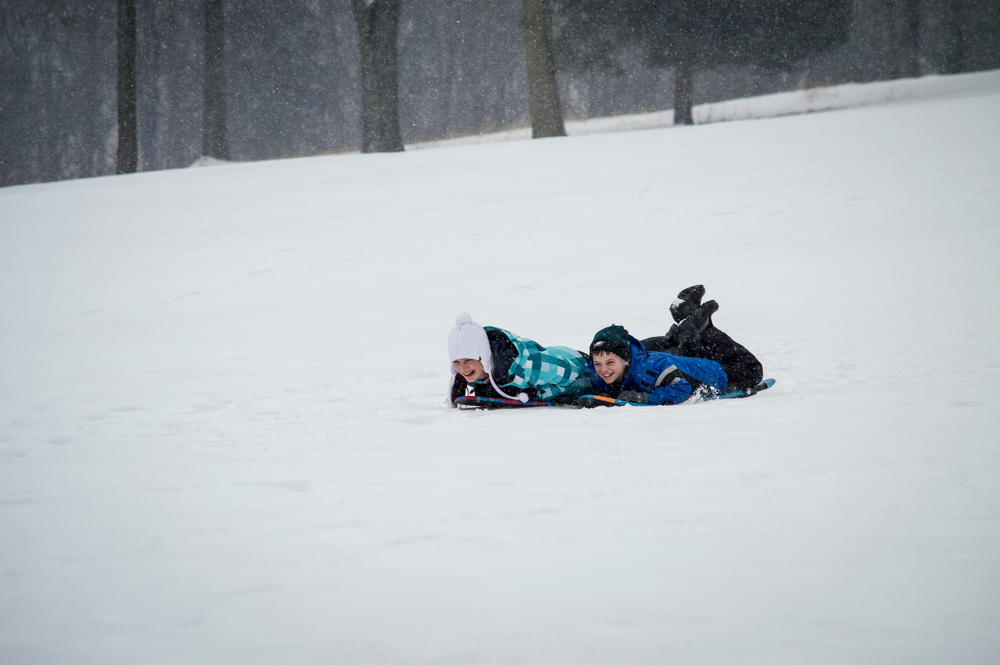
742	368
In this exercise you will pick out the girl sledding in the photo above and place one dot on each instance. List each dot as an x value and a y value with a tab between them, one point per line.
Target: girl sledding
496	364
694	361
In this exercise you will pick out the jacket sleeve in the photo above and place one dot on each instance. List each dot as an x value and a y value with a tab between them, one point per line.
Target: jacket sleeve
679	377
674	393
675	385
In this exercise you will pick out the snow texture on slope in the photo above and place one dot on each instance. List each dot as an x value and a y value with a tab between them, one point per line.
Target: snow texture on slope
223	436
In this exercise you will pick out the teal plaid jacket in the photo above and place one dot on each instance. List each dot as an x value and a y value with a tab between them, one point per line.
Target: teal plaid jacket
551	371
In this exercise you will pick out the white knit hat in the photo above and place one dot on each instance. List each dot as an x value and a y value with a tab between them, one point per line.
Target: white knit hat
469	340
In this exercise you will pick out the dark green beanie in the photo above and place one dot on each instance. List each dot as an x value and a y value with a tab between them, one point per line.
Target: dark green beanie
614	339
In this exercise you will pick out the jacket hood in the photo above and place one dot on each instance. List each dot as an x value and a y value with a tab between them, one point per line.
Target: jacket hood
638	349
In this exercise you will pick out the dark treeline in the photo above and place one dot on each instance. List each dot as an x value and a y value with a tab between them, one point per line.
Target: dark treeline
293	86
690	37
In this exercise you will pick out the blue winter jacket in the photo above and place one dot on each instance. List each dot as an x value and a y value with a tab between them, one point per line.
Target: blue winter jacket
667	378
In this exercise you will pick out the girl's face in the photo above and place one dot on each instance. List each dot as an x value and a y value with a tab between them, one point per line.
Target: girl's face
471	370
609	367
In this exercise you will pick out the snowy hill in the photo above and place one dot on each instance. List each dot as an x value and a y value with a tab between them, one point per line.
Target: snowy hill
223	435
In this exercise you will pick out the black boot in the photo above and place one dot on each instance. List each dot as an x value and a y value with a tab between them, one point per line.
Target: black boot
687	302
688	331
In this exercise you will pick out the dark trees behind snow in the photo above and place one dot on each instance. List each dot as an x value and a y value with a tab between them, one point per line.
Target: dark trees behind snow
294	82
689	36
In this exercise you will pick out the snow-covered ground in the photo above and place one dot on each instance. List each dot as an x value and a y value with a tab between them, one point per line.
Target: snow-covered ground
223	436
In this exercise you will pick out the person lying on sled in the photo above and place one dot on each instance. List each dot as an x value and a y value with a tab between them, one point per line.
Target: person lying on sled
622	368
491	362
695	336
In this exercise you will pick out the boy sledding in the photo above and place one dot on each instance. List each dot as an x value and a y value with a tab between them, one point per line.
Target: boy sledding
622	368
693	361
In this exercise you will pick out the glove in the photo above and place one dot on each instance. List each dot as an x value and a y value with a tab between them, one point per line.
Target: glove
634	396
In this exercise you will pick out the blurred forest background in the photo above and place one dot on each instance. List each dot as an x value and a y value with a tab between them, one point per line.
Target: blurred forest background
293	81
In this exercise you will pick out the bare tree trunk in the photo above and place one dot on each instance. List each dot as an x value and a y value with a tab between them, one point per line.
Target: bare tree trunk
683	95
913	36
543	93
213	138
956	52
803	78
378	26
128	130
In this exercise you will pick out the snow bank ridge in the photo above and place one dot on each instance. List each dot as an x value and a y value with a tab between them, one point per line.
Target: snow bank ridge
829	98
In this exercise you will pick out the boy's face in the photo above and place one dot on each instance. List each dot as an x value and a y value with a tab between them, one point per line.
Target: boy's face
471	370
609	366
